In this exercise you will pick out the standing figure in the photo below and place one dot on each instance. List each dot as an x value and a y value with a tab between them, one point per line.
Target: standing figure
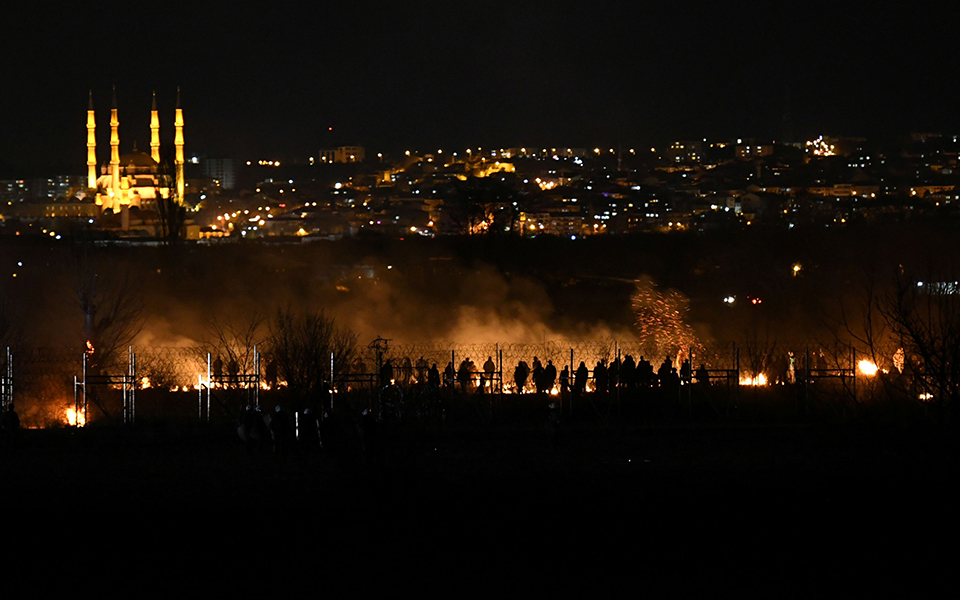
488	371
580	378
218	368
538	372
233	372
449	375
433	377
520	375
600	376
463	374
549	376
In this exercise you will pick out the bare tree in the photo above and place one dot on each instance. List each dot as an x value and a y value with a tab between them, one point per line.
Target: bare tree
925	318
235	340
112	304
911	331
480	205
110	299
759	350
171	213
859	322
301	344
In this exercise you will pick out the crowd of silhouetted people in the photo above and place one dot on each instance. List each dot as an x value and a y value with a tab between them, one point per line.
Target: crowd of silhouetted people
538	377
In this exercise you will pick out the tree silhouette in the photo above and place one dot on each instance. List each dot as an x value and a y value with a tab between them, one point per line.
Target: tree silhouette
301	344
112	304
171	213
480	205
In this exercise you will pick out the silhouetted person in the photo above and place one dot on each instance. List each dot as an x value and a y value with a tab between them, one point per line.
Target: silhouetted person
433	377
472	368
270	372
613	373
233	371
663	373
463	374
253	430
386	374
520	375
281	431
685	371
549	376
422	370
218	368
645	373
488	371
703	377
308	430
600	376
565	380
406	371
580	378
538	381
628	373
358	366
673	379
449	375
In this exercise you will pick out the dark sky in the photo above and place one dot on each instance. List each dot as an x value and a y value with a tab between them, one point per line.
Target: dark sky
267	79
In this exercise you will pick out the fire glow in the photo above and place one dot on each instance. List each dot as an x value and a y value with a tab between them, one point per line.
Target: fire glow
868	368
74	419
760	379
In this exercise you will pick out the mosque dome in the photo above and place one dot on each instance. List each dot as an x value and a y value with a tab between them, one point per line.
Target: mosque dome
137	159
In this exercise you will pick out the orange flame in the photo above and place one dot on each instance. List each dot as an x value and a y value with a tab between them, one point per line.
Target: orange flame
74	419
760	379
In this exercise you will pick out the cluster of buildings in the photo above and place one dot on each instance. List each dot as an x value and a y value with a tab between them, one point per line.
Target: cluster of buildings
687	185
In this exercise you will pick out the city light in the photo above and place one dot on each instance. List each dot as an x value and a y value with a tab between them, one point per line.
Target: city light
819	147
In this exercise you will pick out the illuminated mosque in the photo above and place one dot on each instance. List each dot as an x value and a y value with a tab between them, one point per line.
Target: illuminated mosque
134	179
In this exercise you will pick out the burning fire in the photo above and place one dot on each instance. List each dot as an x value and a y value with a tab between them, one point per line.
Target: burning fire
144	383
760	379
90	348
867	367
75	419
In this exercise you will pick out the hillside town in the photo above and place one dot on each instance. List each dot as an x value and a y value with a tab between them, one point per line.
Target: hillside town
687	185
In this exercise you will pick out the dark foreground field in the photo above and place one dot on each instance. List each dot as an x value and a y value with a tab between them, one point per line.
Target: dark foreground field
775	509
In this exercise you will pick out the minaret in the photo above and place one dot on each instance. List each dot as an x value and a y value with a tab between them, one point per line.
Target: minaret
178	143
114	148
155	131
91	146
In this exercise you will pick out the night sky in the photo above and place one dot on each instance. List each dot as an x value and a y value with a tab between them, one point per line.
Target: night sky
268	80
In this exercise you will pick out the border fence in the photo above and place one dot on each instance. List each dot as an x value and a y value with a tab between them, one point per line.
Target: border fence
388	377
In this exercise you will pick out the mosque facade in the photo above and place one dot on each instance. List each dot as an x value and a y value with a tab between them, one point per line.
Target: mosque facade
134	179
